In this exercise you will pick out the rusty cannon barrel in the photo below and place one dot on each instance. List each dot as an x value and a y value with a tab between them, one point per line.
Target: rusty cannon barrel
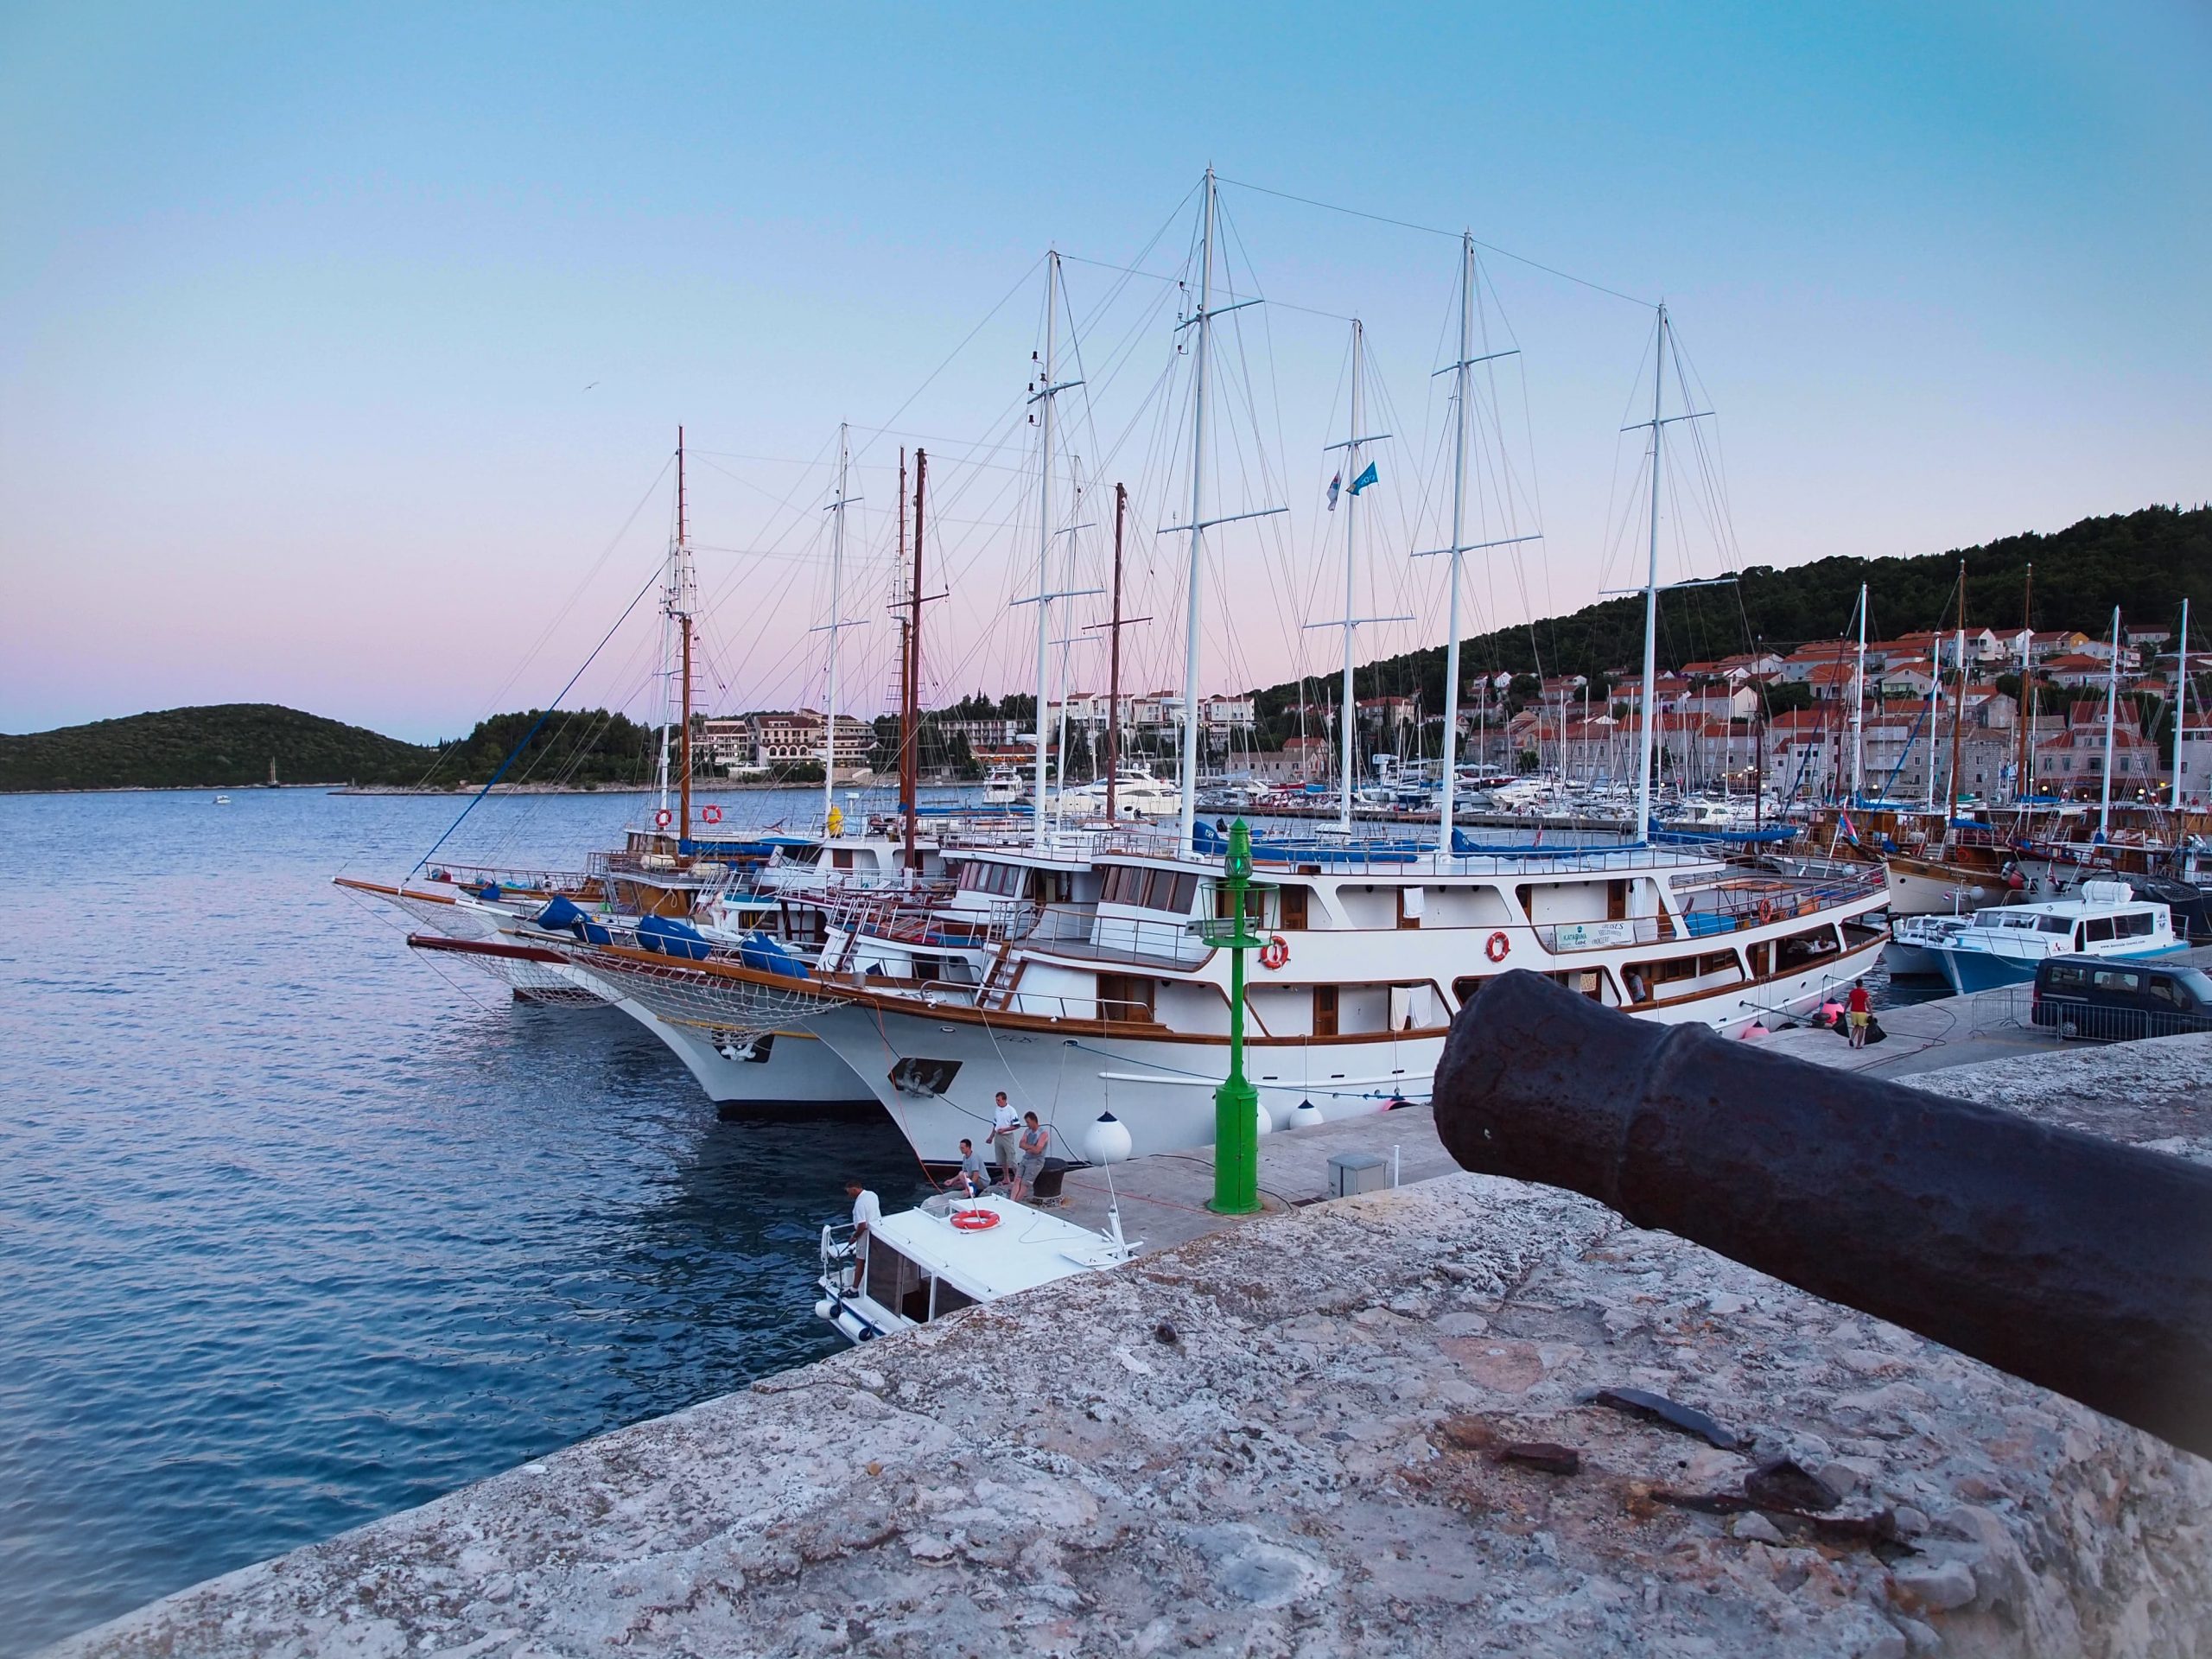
2075	1263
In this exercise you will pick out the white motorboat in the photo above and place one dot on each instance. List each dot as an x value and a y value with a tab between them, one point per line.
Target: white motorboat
1137	794
2003	945
948	1254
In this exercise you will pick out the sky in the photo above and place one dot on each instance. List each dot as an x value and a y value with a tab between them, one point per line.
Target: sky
342	351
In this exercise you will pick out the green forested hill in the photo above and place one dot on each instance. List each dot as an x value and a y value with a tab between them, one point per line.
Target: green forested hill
228	746
224	745
2143	562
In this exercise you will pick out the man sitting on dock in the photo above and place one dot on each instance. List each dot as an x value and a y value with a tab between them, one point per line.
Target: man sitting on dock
1034	1139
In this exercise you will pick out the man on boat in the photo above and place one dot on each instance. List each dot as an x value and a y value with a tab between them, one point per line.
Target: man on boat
1006	1126
867	1214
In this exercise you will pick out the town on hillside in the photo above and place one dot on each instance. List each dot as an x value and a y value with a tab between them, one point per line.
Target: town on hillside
1788	718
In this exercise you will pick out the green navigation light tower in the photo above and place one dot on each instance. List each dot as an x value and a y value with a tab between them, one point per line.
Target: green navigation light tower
1237	1103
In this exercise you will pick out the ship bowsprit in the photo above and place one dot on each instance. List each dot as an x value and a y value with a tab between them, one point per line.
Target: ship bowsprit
734	1009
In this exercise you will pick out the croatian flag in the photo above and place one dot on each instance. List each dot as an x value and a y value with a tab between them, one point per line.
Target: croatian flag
1335	484
1363	480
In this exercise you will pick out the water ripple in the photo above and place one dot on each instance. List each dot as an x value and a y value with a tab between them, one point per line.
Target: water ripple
296	1231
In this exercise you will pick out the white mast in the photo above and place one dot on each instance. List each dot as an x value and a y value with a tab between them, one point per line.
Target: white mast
1651	595
1350	734
1859	708
1043	398
2112	704
1204	322
1448	805
2181	705
833	627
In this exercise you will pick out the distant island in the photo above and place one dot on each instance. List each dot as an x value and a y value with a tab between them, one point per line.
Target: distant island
238	745
2143	561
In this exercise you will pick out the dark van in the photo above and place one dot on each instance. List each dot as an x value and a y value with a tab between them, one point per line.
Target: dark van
2116	998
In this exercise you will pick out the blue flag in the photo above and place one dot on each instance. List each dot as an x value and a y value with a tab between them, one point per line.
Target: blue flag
1335	484
1363	480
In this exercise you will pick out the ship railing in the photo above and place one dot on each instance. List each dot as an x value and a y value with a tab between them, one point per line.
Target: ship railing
566	882
932	993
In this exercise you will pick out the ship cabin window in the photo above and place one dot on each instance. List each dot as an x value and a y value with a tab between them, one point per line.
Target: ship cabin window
2097	930
1171	891
898	1283
2136	925
1324	1010
1798	949
1255	905
1294	902
841	858
1587	982
1126	998
1004	880
1052	887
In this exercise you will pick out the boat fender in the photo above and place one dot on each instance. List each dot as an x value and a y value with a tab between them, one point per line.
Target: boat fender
975	1220
1498	947
663	818
1275	953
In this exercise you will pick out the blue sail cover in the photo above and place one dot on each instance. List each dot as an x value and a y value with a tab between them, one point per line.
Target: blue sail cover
1685	837
769	956
560	915
672	938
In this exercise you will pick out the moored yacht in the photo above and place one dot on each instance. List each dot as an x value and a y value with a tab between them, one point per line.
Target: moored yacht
2002	946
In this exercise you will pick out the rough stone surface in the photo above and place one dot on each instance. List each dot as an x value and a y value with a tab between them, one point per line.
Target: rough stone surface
1304	1472
1310	1467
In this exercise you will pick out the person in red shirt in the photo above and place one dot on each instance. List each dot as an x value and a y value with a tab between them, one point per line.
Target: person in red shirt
1860	1012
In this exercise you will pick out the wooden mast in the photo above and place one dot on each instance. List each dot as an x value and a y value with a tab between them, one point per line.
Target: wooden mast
1114	657
683	618
1958	707
909	714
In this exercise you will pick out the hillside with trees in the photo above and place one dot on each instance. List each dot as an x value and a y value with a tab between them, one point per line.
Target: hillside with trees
231	746
2144	562
222	746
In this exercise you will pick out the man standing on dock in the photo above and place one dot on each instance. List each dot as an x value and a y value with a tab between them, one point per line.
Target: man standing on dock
1005	1128
1860	1012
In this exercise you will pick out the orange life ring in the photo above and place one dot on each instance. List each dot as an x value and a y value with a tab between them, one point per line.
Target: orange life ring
663	818
1766	910
711	813
975	1220
1275	952
1498	947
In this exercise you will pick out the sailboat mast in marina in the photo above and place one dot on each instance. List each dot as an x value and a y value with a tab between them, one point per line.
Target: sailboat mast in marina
833	627
1459	548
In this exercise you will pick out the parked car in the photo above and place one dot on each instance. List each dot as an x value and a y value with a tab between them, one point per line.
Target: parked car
2117	999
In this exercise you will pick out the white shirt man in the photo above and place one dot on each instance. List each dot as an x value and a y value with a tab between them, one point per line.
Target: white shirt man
868	1215
1005	1129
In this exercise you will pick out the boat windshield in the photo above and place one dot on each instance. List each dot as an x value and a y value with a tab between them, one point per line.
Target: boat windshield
2054	924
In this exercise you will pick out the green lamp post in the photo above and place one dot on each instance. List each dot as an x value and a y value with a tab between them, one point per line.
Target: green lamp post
1237	1103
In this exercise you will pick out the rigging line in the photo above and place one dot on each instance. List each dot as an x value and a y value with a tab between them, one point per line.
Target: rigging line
650	582
982	322
1158	276
1431	230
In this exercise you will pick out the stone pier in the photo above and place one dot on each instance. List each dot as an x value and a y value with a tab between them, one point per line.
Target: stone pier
1364	1427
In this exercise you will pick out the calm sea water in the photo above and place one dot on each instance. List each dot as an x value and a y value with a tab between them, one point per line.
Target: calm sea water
296	1232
